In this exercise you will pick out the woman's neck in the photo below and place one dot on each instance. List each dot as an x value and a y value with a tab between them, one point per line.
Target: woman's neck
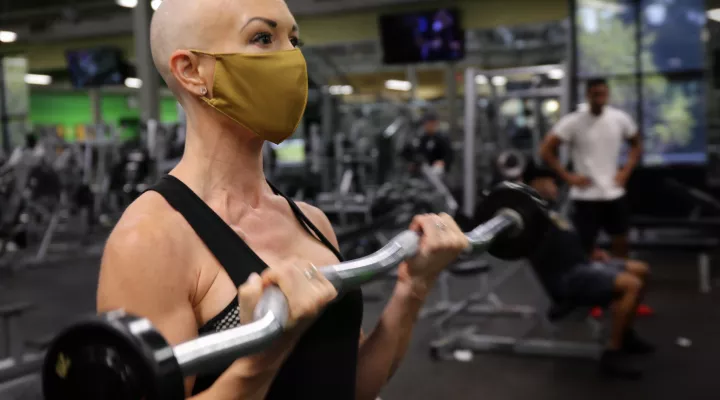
223	164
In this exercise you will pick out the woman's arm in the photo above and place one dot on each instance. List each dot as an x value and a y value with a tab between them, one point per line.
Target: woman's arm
382	351
145	272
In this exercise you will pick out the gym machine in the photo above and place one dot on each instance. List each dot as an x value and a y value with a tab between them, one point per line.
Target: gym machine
454	343
32	194
119	356
345	204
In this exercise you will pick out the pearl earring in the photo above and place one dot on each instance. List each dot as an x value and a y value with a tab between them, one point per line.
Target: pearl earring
203	91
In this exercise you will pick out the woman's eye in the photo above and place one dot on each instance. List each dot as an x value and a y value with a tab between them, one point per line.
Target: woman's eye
296	42
263	38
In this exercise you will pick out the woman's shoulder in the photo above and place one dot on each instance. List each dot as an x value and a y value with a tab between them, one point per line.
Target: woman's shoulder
145	264
149	226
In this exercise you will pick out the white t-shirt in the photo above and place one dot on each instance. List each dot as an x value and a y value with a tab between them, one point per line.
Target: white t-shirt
595	143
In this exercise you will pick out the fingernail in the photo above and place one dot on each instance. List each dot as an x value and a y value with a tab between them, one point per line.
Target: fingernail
254	276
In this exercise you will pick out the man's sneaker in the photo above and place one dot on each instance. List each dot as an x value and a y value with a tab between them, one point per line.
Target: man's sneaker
633	344
615	364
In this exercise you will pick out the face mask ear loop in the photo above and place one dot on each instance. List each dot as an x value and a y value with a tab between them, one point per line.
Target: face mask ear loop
203	90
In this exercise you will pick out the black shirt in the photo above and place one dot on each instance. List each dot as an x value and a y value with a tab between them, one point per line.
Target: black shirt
323	363
435	148
560	251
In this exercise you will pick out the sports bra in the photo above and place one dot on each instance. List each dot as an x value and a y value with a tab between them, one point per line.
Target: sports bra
323	363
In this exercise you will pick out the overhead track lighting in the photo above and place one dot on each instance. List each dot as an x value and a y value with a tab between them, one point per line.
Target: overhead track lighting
403	86
7	37
34	79
133	83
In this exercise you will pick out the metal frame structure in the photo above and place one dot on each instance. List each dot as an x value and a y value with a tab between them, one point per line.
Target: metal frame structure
486	303
471	118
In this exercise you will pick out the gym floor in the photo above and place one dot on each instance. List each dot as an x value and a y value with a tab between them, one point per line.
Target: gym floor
65	289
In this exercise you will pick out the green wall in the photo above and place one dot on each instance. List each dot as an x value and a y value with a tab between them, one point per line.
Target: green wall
72	109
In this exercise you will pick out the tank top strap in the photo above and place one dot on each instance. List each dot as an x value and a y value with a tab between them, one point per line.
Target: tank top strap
229	249
307	224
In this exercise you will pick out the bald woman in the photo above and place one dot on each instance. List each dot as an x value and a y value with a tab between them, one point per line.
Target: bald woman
194	254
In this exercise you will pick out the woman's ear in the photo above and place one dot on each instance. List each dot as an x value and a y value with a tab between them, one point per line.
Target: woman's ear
191	72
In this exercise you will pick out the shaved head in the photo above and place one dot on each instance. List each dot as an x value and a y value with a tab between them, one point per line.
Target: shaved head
177	25
217	26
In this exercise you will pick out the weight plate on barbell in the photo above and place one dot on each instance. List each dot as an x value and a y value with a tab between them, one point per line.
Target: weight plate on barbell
111	357
532	208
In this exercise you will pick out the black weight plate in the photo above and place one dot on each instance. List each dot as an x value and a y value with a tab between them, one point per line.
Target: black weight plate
102	358
531	207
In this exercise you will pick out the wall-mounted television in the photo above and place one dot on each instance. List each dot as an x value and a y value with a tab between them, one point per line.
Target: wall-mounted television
96	67
606	37
425	36
672	35
674	120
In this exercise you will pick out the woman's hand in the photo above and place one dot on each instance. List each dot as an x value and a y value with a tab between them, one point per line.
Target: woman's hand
307	292
441	242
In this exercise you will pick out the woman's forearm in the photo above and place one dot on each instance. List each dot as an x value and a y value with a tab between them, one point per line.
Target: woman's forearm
381	353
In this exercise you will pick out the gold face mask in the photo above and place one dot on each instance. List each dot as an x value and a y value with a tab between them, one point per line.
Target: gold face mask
265	92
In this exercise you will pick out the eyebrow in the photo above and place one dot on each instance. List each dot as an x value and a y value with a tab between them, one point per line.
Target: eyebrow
273	24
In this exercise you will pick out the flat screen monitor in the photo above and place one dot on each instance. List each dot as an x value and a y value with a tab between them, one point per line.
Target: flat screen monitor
96	67
422	37
674	121
606	37
672	35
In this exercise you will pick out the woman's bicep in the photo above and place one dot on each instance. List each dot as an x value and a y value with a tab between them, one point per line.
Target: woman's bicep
139	276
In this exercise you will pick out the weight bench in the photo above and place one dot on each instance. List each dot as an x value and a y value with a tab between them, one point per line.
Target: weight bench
468	268
39	343
453	343
702	246
11	315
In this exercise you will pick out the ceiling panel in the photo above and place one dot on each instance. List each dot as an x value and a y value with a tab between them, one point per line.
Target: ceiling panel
309	7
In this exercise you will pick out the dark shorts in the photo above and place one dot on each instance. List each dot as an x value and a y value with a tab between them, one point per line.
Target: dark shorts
589	217
591	284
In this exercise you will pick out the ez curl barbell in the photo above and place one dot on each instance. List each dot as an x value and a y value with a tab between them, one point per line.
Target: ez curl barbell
123	357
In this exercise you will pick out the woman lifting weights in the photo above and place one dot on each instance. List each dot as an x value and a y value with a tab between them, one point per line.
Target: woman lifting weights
181	250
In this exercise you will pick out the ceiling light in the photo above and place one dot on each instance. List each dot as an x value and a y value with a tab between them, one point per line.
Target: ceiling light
34	79
499	80
133	83
337	90
556	73
127	3
346	89
7	36
481	80
552	106
714	14
403	86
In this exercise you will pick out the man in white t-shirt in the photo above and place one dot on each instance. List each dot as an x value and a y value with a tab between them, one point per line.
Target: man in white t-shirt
595	135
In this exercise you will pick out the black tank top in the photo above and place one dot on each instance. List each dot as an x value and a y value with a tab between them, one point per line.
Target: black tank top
324	361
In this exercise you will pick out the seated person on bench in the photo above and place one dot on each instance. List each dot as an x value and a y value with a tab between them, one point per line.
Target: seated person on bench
574	279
